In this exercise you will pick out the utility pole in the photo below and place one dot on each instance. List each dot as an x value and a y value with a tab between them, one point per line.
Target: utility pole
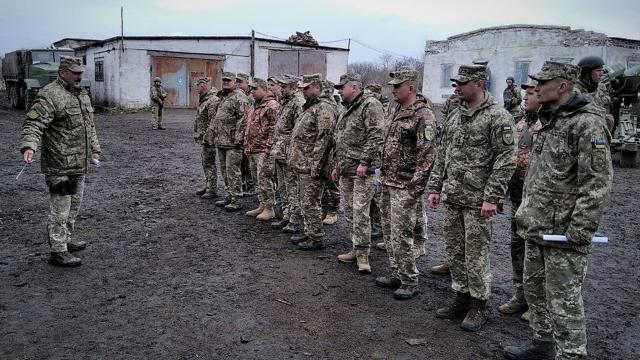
253	52
121	28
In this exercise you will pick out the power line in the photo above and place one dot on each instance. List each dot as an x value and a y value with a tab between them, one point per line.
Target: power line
378	50
271	36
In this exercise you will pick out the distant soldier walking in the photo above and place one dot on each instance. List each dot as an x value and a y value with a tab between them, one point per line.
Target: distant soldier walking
158	94
207	106
512	97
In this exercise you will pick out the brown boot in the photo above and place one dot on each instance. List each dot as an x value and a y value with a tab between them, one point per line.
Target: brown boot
363	262
514	305
266	214
331	218
442	269
348	257
419	251
381	246
457	309
525	316
255	212
477	315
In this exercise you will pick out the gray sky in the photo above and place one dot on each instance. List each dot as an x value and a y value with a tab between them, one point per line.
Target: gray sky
399	27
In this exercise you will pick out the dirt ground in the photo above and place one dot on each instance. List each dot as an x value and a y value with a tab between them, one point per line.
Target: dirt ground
168	275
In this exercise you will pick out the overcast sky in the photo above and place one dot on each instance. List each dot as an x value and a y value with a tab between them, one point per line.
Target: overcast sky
398	27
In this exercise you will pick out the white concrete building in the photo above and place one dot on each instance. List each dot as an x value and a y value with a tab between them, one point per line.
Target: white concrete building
121	69
517	50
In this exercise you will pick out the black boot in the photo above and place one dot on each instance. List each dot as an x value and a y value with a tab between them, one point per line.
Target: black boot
64	258
457	309
477	315
76	245
388	282
406	292
279	224
224	202
312	244
537	350
292	228
298	238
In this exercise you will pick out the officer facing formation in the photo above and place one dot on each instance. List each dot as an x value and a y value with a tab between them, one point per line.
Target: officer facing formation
476	159
207	107
568	181
158	94
591	72
61	123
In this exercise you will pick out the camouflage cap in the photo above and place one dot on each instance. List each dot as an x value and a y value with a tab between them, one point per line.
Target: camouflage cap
155	79
345	78
376	88
203	80
403	74
310	79
228	76
532	83
551	70
289	79
328	84
273	79
72	64
257	82
242	76
468	73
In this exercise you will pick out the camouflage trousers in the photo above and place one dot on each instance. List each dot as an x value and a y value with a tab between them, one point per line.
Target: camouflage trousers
311	190
66	196
419	230
467	241
287	179
262	167
398	223
248	178
330	197
553	288
156	116
230	162
357	194
209	167
517	242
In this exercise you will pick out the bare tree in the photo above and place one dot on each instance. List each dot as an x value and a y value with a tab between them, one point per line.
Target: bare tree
378	71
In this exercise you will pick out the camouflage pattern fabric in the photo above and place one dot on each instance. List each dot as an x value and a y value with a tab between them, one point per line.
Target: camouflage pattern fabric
467	241
230	162
330	197
209	167
452	102
156	116
512	99
357	194
230	119
206	110
311	190
262	167
261	122
158	94
292	183
64	207
290	109
398	221
599	97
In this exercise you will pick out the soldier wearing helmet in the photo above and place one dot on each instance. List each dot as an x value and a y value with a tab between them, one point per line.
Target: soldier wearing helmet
591	71
512	97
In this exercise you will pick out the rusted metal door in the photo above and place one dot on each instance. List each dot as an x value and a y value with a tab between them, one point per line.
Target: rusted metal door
297	62
312	62
199	68
173	72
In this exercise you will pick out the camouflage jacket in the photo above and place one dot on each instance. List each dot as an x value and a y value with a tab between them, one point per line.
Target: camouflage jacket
230	119
288	113
206	110
358	135
60	121
312	136
261	121
158	94
452	102
599	97
569	178
525	128
476	155
408	150
512	98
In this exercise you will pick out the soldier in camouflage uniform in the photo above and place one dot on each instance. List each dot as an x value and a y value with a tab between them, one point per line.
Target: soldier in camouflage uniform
248	182
258	139
207	105
158	94
374	210
331	195
408	154
525	129
512	97
309	156
591	72
358	141
228	126
476	160
568	181
290	109
274	87
61	122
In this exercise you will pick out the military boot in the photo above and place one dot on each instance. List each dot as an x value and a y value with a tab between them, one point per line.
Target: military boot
477	315
381	246
525	316
64	258
457	309
331	218
348	257
298	238
233	205
279	224
201	192
209	194
442	269
312	244
362	259
266	214
224	202
514	305
537	350
255	212
388	282
292	228
406	292
376	233
76	245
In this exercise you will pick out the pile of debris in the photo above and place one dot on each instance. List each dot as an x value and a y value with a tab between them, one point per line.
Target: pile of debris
303	38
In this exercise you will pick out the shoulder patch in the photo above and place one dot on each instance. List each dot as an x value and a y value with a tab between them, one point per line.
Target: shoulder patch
598	144
32	114
429	132
507	134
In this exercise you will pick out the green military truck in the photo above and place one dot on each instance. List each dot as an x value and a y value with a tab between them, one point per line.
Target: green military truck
27	71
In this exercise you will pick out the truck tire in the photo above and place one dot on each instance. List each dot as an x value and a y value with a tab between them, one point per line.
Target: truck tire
628	159
17	102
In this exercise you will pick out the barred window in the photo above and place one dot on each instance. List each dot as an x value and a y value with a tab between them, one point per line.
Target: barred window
521	74
99	69
446	75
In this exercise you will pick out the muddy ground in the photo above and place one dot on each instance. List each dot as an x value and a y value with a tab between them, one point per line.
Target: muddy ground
168	275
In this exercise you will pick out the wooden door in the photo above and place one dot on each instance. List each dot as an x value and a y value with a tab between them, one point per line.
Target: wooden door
199	68
172	71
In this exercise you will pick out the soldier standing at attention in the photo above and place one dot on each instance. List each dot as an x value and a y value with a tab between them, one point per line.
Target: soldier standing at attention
591	72
511	97
274	87
309	156
525	129
358	142
207	106
408	154
248	182
568	181
229	123
331	195
476	160
158	94
61	122
290	109
258	139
